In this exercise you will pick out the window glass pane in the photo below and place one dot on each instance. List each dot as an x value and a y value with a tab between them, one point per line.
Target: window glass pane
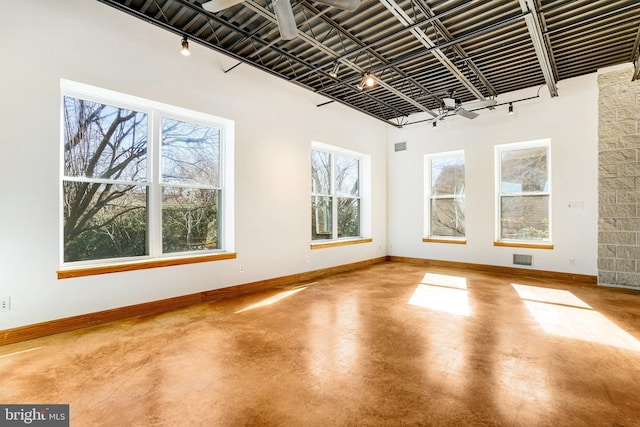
348	217
190	153
447	217
447	175
347	175
321	218
189	219
101	141
524	170
320	172
104	221
524	217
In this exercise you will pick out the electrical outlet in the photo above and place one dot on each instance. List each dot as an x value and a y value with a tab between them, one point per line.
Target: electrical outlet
572	261
5	304
307	259
241	268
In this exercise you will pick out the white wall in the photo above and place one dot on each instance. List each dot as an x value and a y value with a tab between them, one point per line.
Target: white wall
570	121
275	122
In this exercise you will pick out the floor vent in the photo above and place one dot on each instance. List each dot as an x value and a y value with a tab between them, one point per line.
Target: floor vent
401	146
522	259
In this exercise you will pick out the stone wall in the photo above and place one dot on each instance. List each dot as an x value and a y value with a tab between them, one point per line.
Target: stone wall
619	179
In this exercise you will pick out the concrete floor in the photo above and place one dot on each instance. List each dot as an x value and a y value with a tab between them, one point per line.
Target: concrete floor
393	344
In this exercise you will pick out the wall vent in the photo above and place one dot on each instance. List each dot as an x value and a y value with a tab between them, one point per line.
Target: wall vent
519	259
401	146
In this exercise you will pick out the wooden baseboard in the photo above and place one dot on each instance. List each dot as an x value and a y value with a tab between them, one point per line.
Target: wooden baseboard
37	330
538	274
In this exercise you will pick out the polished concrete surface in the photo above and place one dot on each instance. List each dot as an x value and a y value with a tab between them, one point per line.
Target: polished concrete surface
392	344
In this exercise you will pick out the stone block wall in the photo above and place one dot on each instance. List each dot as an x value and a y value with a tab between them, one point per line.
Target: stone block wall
619	179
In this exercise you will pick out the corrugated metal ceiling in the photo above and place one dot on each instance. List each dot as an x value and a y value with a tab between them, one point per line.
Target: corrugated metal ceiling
417	50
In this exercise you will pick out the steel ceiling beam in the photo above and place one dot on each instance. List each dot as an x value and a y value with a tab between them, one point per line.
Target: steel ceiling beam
457	48
304	36
418	54
535	32
422	37
164	24
391	36
382	60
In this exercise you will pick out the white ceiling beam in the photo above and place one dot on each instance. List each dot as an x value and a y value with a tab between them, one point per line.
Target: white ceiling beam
535	32
301	34
422	37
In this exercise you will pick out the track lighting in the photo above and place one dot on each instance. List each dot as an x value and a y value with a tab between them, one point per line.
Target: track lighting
185	47
334	71
434	124
511	108
368	80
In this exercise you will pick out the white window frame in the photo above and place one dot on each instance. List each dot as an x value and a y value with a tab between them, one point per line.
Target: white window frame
364	184
155	111
499	149
428	162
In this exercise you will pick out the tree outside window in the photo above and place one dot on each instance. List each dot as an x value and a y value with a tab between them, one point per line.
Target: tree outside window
445	197
111	202
524	192
335	195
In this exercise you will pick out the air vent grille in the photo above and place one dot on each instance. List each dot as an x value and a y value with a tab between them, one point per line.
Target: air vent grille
401	146
519	259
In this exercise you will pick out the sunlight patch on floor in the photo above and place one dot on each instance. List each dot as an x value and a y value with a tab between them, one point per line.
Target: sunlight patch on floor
562	313
448	300
15	353
553	296
272	299
457	282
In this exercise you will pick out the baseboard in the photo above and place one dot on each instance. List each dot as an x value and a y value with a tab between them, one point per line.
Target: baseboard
538	274
37	330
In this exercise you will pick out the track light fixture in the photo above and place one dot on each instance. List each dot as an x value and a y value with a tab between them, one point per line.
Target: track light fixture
334	71
511	108
434	124
185	47
368	80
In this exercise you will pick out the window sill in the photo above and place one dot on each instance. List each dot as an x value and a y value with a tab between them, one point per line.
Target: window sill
452	241
524	245
335	243
141	265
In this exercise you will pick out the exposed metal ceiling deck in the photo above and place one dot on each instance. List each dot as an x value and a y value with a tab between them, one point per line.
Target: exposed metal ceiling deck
417	50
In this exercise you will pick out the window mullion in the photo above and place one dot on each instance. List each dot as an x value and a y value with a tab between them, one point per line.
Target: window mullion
154	213
334	199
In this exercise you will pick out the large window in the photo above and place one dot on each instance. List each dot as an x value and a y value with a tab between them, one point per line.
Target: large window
524	191
336	190
140	179
445	184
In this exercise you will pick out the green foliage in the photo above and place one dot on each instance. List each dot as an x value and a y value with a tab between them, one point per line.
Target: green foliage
124	236
189	229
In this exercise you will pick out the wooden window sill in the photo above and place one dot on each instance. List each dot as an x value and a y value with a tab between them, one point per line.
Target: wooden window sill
141	265
524	245
334	243
452	241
